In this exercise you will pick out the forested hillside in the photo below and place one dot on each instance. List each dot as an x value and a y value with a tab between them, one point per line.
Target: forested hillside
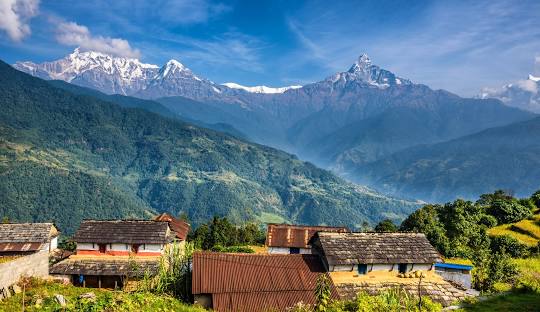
65	157
498	158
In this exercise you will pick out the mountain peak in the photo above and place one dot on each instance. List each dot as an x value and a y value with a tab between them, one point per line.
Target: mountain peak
363	59
172	63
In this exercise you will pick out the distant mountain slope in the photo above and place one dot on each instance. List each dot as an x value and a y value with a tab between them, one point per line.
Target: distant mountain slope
505	157
151	106
84	157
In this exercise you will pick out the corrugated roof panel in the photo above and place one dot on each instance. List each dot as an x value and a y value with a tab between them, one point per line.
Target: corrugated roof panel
255	282
296	236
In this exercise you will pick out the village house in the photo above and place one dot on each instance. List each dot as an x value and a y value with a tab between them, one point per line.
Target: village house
255	282
27	238
457	273
110	253
24	251
372	262
294	239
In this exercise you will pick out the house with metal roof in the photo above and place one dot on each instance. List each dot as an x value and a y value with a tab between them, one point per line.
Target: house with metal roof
179	227
456	273
255	282
27	238
372	262
294	239
110	252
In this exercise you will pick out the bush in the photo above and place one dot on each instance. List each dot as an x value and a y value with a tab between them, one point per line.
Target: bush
510	245
386	226
237	249
509	211
490	269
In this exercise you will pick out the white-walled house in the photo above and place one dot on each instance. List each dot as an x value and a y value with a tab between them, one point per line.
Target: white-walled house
372	262
108	252
26	238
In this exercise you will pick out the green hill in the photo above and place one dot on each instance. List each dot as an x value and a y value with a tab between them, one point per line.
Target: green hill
503	157
65	157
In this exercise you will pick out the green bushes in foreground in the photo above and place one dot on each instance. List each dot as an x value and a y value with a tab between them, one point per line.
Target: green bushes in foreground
40	296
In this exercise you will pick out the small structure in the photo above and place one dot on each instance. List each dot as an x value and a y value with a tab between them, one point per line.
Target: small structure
254	282
294	239
109	253
27	238
24	251
372	262
456	273
179	227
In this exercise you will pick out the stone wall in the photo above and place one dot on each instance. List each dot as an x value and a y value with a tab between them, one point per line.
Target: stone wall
36	265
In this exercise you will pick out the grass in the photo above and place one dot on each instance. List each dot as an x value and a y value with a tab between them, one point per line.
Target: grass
529	301
7	259
526	231
40	296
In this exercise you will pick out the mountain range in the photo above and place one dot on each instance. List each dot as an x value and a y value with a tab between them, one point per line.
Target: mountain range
68	153
348	122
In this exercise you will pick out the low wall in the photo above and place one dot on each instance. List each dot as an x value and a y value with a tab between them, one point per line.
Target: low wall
36	265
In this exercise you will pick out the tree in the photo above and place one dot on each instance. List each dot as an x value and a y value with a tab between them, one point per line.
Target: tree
322	293
488	199
508	245
536	198
509	211
386	225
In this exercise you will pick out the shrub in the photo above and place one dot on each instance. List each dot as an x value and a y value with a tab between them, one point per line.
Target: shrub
509	211
386	226
510	245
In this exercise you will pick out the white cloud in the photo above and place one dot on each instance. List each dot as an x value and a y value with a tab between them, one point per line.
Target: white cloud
15	15
528	85
73	34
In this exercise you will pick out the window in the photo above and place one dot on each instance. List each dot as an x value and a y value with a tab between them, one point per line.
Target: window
135	248
294	250
362	269
402	267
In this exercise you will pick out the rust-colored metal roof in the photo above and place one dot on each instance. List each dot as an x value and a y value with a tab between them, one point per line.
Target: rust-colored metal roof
180	227
297	236
256	282
18	247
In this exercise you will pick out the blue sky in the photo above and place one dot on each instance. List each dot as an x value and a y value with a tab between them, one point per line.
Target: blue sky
460	46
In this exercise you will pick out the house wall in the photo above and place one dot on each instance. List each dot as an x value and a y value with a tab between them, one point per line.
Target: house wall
287	250
380	267
36	265
460	277
118	249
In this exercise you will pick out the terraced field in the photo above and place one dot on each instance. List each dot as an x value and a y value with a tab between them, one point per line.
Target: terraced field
526	231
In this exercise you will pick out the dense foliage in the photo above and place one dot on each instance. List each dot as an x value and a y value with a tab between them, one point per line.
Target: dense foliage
386	225
220	234
65	157
40	296
459	228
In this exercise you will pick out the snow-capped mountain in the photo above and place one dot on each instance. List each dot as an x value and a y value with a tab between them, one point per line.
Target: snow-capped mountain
524	94
126	76
259	89
95	70
364	71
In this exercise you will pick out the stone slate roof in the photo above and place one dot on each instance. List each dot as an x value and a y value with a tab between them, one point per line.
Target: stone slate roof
27	232
180	227
298	236
123	231
354	248
106	267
